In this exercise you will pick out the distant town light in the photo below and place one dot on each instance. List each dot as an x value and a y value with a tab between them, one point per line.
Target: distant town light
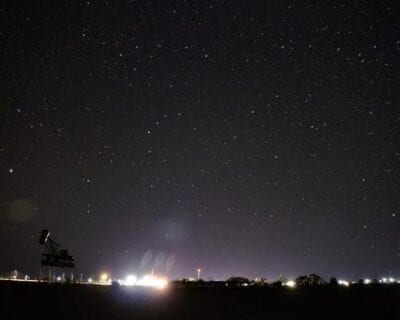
343	283
290	284
103	277
90	280
367	281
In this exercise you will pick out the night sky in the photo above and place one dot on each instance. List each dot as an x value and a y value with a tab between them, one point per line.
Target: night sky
252	138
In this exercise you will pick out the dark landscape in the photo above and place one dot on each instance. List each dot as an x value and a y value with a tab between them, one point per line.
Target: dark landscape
55	301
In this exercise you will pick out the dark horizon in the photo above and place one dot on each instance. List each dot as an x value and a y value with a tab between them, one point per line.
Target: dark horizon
249	139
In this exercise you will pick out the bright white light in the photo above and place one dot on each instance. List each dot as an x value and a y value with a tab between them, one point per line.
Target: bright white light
152	281
89	280
343	283
387	280
130	280
58	278
367	281
290	284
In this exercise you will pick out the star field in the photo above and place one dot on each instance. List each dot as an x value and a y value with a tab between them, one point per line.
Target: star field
257	138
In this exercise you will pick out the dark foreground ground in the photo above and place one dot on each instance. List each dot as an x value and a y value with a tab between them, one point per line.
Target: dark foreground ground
42	301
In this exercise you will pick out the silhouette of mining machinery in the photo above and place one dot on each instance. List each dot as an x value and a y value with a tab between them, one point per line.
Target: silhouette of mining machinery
54	257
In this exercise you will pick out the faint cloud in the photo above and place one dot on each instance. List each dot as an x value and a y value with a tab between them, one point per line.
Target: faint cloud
21	210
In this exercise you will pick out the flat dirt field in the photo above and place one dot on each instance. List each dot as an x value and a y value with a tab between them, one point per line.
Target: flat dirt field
19	300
